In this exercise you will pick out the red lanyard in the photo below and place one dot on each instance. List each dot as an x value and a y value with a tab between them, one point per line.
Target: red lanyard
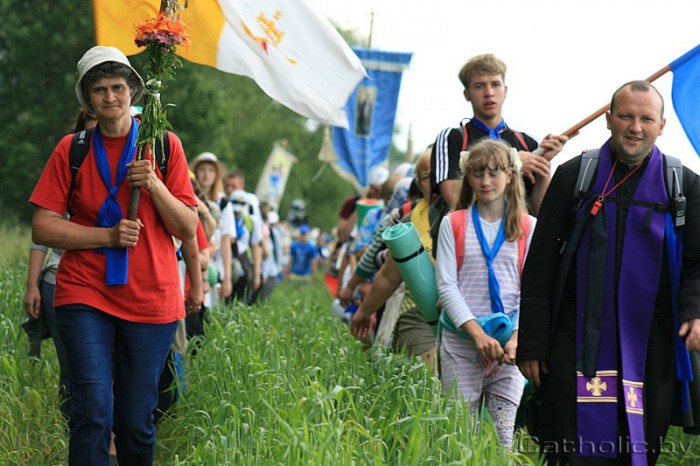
599	201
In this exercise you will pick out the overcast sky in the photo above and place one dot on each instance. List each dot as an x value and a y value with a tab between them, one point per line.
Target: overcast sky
564	59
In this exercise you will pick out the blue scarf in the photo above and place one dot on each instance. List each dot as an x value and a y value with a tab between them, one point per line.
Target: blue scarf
490	254
495	133
111	213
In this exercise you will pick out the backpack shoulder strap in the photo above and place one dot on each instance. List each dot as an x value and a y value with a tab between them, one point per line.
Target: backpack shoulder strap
525	224
589	163
674	188
458	221
248	222
162	158
465	137
405	208
520	139
79	148
674	176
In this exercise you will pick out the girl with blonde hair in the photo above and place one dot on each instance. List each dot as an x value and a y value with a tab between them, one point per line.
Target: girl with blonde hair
480	251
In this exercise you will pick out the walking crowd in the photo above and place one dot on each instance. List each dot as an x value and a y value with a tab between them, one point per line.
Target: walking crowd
538	280
583	287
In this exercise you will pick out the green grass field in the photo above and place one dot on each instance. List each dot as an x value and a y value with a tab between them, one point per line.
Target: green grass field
282	384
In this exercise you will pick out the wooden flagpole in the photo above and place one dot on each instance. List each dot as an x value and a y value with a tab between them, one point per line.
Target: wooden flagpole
574	130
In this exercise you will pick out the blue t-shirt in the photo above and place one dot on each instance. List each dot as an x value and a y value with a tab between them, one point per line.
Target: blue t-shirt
302	255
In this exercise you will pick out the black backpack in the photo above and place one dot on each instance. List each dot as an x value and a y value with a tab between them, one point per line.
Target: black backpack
80	146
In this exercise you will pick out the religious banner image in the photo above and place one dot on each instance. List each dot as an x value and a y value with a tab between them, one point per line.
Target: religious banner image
364	110
274	176
371	111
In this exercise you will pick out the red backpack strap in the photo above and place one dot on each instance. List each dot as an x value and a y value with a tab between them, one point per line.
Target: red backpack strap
465	137
458	220
521	140
525	223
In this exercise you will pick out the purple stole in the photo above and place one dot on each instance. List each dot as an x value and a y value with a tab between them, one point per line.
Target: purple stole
626	309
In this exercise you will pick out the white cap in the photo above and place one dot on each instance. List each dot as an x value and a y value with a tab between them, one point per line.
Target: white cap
252	199
273	217
378	175
239	200
404	169
254	203
204	157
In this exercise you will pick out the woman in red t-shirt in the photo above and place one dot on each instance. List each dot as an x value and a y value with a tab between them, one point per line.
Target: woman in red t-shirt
117	295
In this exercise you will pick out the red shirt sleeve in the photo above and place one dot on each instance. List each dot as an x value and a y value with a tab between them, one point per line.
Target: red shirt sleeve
202	241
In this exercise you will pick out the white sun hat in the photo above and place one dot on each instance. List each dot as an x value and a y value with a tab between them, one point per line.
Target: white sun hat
96	56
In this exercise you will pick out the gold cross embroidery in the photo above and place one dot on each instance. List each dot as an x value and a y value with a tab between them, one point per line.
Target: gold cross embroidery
632	397
596	387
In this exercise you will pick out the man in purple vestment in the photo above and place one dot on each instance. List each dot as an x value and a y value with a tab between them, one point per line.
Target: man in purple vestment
607	323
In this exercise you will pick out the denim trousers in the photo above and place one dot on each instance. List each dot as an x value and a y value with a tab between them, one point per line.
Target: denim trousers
47	309
115	366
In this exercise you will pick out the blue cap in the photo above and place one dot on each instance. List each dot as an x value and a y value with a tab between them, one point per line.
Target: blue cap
304	229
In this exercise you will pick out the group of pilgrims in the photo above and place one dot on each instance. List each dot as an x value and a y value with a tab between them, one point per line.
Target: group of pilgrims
587	292
570	301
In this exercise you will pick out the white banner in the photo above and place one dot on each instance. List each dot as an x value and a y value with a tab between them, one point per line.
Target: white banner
274	176
287	47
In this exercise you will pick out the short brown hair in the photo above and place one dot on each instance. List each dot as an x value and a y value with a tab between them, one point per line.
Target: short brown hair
110	69
486	63
638	86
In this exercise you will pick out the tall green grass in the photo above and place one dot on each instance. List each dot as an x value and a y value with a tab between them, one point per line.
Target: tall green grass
286	384
14	240
280	384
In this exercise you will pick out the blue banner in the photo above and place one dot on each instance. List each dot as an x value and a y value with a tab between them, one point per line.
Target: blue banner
686	94
371	111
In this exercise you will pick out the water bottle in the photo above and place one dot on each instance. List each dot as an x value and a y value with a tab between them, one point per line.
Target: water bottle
349	312
337	309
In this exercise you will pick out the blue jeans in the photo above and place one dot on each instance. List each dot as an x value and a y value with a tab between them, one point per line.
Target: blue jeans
47	309
101	348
